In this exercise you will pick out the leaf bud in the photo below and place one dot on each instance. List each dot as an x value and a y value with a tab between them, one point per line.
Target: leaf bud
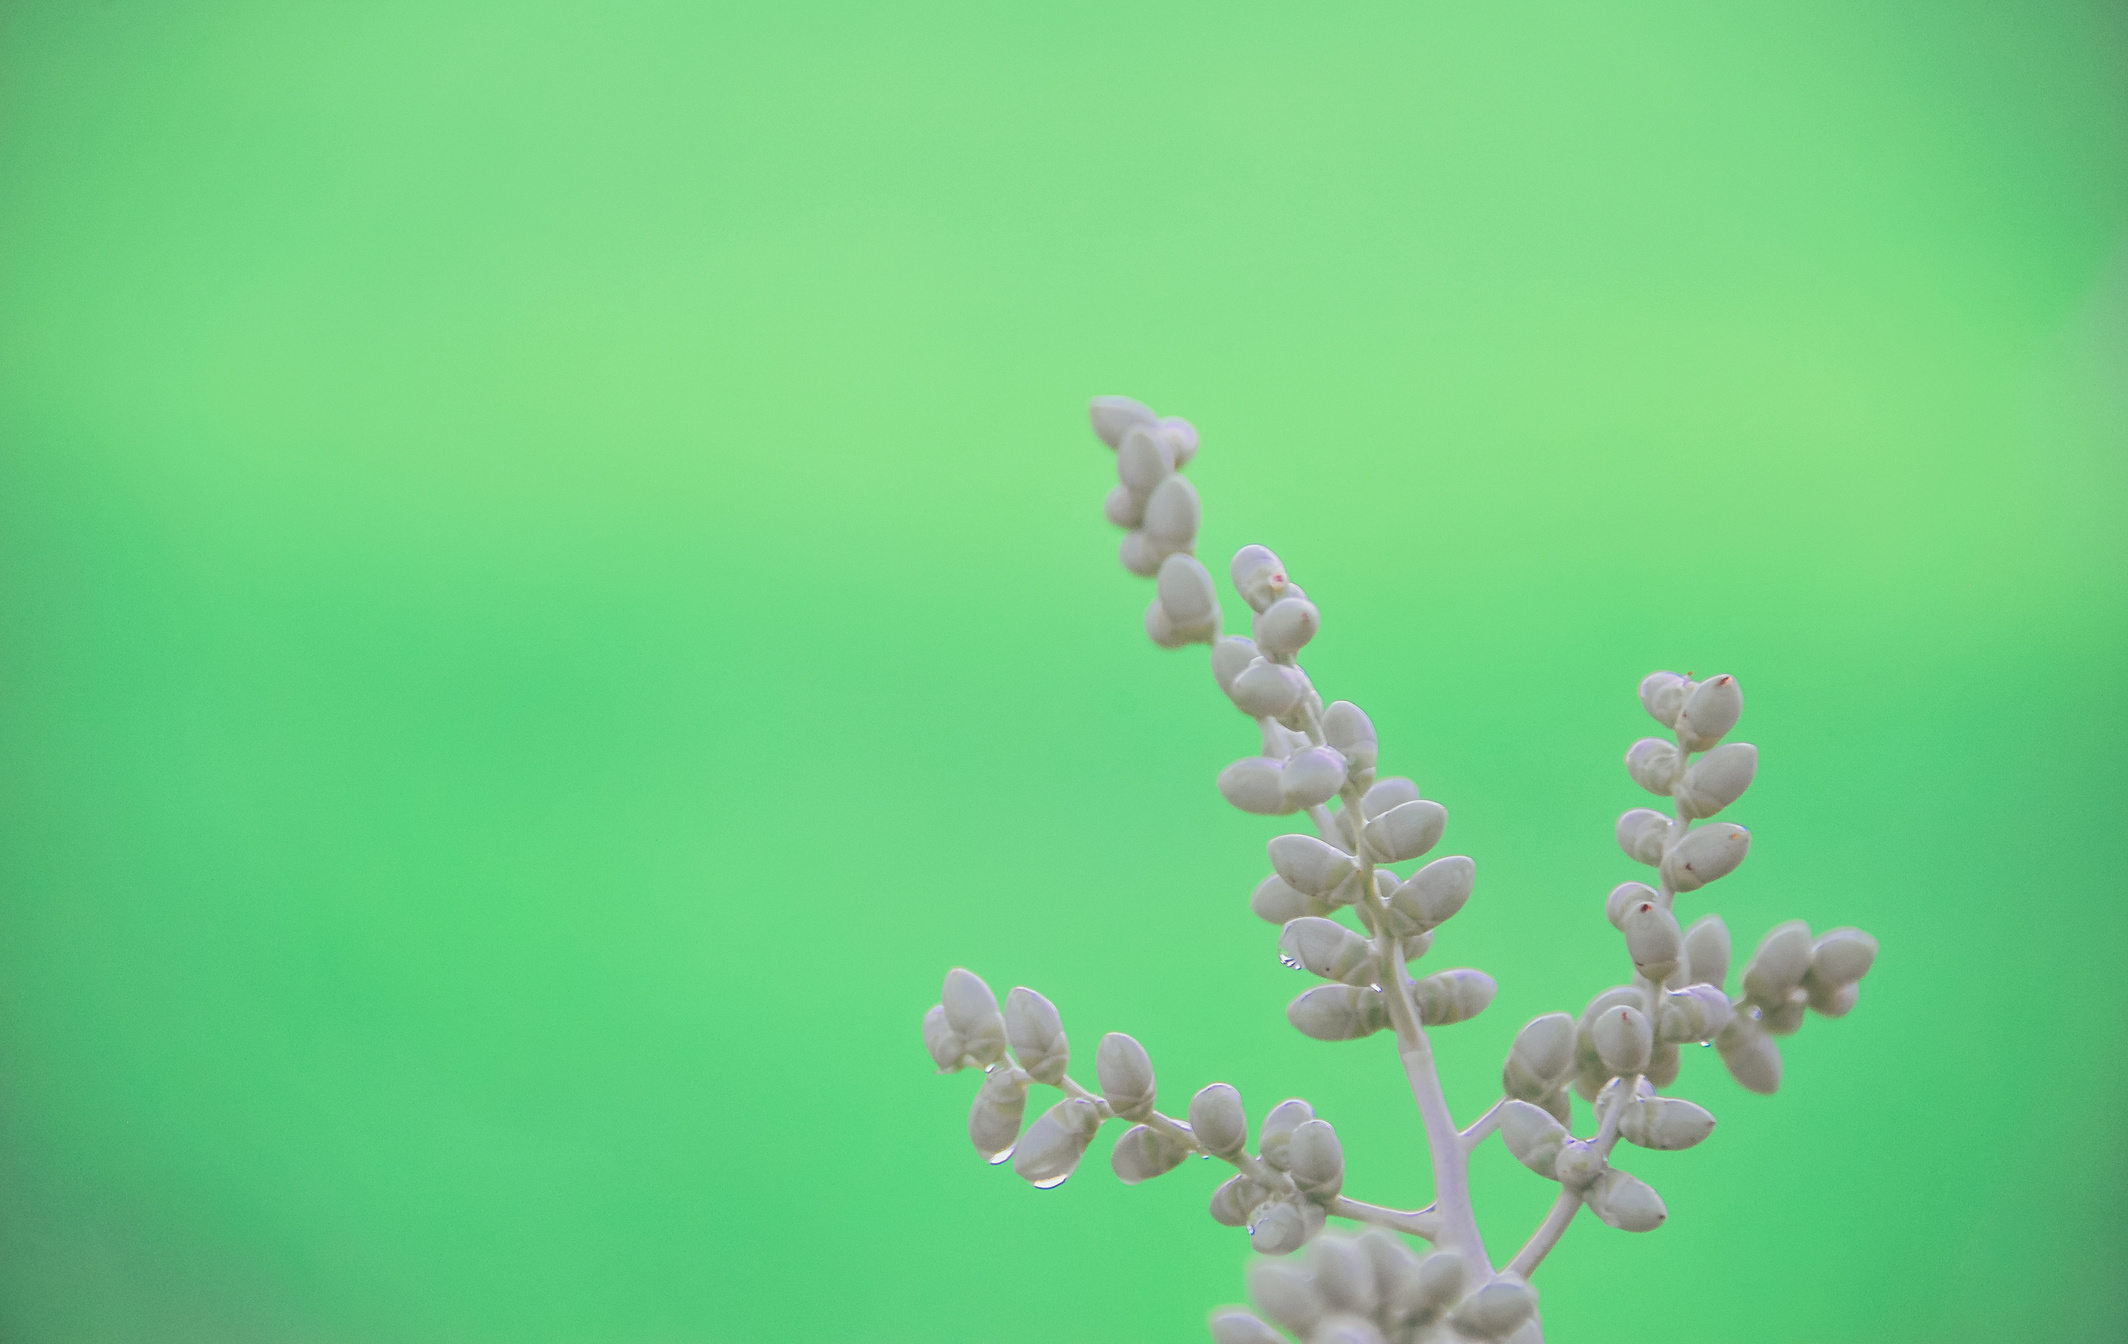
1532	1135
1662	694
1346	1328
1618	996
1338	1012
1161	629
1437	1283
1125	1074
1328	949
1496	1310
1434	893
1221	1125
1317	1160
1259	576
1280	1227
1653	939
944	1043
1049	1152
1266	689
994	1119
1718	779
1751	1056
1309	865
1707	951
1141	555
1255	784
1842	956
1787	1019
1542	1056
1710	711
1623	1039
1036	1031
1404	831
1112	416
972	1012
1172	513
1704	855
1654	764
1124	507
1144	458
1232	1325
1641	834
1231	656
1386	793
1347	727
1779	964
1413	947
1185	589
1452	996
1578	1165
1694	1013
1144	1152
1313	777
1664	1123
1626	1202
1235	1199
1831	1000
1181	436
1623	897
1344	1275
1277	1130
1281	904
1286	626
1395	1271
1287	1294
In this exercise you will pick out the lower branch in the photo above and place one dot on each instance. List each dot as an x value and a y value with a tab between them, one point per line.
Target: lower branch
1425	1223
1547	1235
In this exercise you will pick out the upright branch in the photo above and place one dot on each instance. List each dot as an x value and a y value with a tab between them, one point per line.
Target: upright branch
1347	916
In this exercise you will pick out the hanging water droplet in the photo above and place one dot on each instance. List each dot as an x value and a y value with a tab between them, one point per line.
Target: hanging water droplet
1053	1182
999	1159
1289	963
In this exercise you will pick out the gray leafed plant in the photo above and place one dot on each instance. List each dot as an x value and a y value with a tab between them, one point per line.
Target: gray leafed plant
1347	915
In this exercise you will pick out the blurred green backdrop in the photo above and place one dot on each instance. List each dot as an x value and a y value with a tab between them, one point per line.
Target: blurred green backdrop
553	583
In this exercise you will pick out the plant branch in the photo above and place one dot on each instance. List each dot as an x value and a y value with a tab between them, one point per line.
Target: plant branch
1424	1223
1547	1234
1483	1126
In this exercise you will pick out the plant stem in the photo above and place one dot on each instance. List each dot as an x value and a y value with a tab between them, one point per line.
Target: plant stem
1425	1223
1547	1235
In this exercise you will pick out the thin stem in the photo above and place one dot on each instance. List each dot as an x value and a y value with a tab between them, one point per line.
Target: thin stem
1483	1126
1547	1235
1424	1222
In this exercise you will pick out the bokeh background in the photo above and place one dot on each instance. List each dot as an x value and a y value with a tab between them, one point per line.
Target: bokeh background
552	582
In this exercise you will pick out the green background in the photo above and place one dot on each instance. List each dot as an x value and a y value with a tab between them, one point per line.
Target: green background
552	582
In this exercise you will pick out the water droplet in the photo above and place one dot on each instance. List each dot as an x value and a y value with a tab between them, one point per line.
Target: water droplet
999	1159
1289	963
1053	1182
